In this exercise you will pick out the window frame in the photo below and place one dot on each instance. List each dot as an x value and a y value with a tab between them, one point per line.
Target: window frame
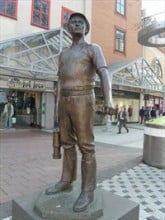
15	2
65	14
118	43
119	5
40	12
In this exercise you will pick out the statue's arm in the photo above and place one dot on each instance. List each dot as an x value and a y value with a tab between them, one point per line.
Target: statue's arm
102	71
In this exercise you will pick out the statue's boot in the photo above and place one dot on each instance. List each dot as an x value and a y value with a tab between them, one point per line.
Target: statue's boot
84	199
59	187
68	173
88	171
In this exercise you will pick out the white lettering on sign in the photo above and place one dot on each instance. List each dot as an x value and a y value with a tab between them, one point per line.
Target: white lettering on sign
18	83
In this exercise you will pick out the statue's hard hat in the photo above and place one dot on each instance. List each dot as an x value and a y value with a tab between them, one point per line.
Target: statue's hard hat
85	19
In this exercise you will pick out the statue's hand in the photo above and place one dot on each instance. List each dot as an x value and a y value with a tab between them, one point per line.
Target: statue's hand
109	109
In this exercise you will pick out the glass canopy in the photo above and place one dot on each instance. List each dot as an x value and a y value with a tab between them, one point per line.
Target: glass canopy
36	56
33	56
135	73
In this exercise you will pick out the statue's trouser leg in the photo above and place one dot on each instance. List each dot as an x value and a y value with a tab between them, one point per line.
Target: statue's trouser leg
69	165
76	114
76	126
88	172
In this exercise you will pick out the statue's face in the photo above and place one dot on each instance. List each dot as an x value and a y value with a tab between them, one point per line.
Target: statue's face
77	25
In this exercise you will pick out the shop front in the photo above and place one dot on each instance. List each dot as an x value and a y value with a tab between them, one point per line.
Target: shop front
30	100
29	66
129	99
154	101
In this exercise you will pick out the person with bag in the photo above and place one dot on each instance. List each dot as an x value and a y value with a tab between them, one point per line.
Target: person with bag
8	113
122	120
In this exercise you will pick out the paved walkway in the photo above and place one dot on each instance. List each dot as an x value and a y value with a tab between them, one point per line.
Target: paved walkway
26	164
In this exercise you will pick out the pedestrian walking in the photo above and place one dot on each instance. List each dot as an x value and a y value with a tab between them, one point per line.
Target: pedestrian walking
146	114
122	120
141	115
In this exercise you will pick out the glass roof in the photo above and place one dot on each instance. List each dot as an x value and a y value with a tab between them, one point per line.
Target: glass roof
36	56
135	73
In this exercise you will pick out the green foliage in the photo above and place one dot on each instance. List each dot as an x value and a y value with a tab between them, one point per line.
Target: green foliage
157	121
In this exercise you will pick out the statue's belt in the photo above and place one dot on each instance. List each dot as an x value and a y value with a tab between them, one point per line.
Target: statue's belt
77	91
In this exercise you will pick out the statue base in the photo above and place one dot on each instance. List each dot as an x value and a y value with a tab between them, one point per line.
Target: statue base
60	206
105	206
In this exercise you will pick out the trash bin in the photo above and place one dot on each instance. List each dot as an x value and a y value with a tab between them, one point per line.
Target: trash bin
154	143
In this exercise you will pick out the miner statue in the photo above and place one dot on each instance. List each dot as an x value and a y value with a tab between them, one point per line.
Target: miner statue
78	65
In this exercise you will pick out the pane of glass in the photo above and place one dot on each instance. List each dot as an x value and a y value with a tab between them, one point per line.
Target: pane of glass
51	34
27	56
117	44
10	8
122	10
34	41
122	2
118	8
52	65
120	40
2	6
36	17
44	21
42	51
11	47
54	49
45	7
37	4
121	46
3	59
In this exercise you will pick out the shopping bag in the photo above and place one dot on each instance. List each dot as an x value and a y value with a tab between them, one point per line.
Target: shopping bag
13	120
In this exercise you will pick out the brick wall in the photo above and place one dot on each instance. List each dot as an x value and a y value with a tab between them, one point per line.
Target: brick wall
104	21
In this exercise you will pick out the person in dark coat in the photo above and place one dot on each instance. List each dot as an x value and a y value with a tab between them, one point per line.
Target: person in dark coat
122	120
141	115
153	113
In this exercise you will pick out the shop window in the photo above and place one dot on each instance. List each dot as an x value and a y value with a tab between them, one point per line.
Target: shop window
120	41
120	7
8	8
40	13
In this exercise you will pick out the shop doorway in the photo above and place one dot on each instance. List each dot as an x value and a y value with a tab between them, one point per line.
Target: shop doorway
27	108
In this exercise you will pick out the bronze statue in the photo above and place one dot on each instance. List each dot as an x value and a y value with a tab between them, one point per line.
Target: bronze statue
77	67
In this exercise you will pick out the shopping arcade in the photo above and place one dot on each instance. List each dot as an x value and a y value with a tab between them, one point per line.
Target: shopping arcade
35	57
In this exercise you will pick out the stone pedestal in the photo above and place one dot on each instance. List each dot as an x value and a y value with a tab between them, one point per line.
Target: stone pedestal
106	206
60	205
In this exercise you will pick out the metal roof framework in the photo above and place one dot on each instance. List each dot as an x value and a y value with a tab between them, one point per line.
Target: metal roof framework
36	56
135	73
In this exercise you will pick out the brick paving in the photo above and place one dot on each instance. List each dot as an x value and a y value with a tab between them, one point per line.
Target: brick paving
26	164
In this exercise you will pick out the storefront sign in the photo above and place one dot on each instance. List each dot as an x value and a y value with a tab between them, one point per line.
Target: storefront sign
126	94
19	83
